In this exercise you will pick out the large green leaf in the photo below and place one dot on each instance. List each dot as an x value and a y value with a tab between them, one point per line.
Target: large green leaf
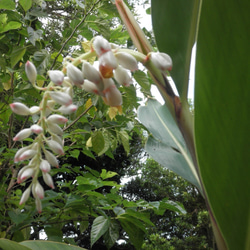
99	227
175	28
222	115
11	245
35	245
7	4
167	145
48	245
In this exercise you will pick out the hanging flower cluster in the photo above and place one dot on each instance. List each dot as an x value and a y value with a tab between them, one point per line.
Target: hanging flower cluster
57	101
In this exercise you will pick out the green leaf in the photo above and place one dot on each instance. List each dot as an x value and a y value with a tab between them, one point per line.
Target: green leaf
135	233
16	55
170	205
125	140
105	175
11	245
7	4
167	146
34	35
26	4
12	25
112	234
222	116
142	79
99	142
47	245
74	153
99	227
139	215
175	28
17	217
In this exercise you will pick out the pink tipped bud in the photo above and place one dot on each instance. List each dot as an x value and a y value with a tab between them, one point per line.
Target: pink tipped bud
55	147
161	60
34	110
127	61
27	154
67	110
56	76
91	73
61	98
101	45
108	60
25	196
23	175
19	153
59	119
36	129
19	108
37	190
51	159
24	133
45	166
90	87
75	75
122	76
48	180
30	70
38	205
113	96
54	128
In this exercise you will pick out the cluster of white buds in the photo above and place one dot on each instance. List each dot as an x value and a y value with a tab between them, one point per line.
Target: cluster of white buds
57	98
114	66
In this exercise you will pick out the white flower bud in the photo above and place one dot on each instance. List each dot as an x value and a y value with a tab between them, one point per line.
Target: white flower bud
49	107
27	154
36	129
59	119
122	76
75	75
45	166
23	175
54	128
19	108
38	205
127	61
48	180
91	73
58	139
19	153
90	87
161	60
55	147
34	110
24	133
56	76
61	98
51	159
113	96
31	72
108	60
68	109
25	196
37	190
101	45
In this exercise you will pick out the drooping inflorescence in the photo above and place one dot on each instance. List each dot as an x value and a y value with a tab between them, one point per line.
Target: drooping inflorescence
57	101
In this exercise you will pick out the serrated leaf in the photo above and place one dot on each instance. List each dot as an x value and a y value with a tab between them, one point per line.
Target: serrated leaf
26	4
99	227
123	135
112	234
135	233
105	175
142	79
112	112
